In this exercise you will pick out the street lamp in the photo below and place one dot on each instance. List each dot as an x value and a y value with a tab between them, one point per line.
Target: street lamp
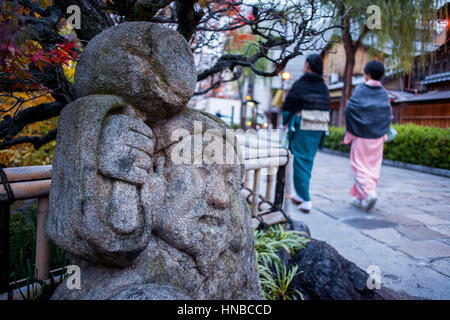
250	105
286	76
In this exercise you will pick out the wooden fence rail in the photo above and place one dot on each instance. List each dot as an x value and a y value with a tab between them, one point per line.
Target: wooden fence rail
264	153
25	183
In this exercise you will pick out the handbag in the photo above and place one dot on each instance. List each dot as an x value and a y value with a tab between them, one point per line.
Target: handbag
391	134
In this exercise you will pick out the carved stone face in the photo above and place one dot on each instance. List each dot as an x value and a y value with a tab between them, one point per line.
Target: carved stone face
148	65
202	213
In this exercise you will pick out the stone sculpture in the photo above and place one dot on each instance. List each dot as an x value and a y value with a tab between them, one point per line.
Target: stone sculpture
139	225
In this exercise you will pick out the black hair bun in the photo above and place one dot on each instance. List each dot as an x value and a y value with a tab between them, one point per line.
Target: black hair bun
375	69
315	63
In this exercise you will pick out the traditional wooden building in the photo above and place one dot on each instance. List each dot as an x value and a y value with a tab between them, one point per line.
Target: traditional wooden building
422	96
431	83
429	109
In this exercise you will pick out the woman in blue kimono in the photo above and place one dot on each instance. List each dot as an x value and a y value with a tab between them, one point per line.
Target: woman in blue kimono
306	113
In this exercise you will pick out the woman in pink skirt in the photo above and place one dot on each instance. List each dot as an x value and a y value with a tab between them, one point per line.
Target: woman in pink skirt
367	119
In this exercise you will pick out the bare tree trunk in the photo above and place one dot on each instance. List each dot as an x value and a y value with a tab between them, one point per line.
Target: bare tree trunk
350	52
251	90
347	90
240	85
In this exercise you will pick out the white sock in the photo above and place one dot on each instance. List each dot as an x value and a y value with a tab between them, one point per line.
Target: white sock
373	194
297	198
307	205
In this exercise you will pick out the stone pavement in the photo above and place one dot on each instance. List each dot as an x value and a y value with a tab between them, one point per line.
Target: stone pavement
407	234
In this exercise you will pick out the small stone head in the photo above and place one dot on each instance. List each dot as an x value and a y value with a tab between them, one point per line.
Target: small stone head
150	66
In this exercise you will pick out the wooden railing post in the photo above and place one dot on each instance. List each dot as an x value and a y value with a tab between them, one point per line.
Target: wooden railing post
42	242
280	187
255	191
288	177
247	179
270	175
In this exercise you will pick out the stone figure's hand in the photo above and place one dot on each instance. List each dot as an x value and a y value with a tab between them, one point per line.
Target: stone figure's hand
125	150
153	190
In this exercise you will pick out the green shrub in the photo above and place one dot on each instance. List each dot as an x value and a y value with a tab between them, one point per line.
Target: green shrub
235	126
333	141
22	243
23	246
427	146
275	278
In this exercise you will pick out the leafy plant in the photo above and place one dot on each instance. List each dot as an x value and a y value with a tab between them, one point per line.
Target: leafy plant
333	141
22	242
18	51
23	254
29	289
275	277
427	146
276	285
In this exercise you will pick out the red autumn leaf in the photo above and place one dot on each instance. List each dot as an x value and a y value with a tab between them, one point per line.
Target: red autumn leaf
40	56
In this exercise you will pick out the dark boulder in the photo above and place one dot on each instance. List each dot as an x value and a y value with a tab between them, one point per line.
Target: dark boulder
284	256
301	227
326	275
285	259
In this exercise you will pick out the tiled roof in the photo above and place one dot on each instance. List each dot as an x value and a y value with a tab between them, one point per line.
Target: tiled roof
439	77
433	95
399	95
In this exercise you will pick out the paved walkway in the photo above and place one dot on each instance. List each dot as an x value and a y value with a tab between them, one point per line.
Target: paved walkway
407	234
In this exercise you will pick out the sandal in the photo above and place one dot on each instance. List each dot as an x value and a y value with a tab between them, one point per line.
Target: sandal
369	203
305	206
297	200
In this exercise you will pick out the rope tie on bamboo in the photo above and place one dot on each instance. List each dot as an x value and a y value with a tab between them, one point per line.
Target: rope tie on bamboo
262	224
5	182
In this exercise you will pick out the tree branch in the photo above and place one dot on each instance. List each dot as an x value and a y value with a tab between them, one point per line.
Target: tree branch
363	33
10	126
94	17
44	28
140	10
218	83
52	78
36	141
188	18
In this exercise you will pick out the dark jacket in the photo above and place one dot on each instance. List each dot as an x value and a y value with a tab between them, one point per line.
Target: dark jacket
308	93
368	112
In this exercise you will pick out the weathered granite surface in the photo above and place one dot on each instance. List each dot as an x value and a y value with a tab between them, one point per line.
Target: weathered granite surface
140	225
150	66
